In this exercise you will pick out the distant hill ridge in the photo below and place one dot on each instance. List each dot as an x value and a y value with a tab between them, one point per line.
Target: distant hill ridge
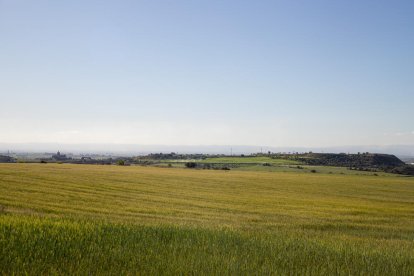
362	160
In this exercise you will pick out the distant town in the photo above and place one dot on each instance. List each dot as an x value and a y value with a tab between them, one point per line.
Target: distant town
365	161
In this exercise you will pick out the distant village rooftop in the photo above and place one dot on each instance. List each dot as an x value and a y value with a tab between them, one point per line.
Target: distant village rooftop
59	156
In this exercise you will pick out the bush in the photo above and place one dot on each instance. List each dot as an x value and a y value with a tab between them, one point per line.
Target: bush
120	162
191	165
313	171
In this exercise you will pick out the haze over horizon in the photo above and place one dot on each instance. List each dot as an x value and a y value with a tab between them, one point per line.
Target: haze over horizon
268	73
136	149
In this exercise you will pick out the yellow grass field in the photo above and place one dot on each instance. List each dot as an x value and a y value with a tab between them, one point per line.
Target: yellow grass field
215	221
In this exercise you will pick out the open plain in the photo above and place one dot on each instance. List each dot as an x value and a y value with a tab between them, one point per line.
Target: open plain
82	219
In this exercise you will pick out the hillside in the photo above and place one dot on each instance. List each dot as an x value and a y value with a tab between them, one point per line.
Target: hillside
364	160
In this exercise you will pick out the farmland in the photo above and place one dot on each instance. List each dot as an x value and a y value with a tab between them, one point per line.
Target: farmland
83	219
250	160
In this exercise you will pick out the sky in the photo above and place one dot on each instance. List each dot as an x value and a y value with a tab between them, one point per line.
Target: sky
274	73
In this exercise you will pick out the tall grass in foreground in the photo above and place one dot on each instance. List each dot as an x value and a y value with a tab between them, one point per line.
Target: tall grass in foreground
34	245
79	219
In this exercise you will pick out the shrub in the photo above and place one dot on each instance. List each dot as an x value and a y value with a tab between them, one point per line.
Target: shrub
191	165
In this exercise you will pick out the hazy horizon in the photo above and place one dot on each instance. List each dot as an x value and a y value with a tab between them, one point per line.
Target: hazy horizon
136	149
273	73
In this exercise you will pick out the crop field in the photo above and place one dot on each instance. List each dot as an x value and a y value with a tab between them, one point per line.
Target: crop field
95	219
245	162
249	160
266	164
308	169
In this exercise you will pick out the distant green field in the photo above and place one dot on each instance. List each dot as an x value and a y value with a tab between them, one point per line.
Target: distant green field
309	169
276	165
236	160
250	160
89	219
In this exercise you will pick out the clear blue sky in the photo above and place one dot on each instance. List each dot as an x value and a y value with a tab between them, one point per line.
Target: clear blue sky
276	73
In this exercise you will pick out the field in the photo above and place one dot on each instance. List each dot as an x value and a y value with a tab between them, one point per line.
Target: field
249	160
89	219
265	164
256	160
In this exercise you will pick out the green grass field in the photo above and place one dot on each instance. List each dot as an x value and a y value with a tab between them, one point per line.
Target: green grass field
89	219
250	160
308	169
273	165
